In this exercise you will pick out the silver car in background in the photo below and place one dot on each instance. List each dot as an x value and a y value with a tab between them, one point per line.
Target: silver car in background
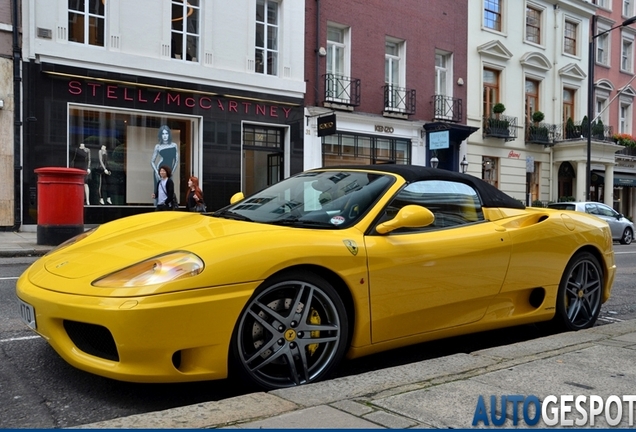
622	228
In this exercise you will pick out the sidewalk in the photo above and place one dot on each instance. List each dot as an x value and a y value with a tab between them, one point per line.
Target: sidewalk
437	393
21	244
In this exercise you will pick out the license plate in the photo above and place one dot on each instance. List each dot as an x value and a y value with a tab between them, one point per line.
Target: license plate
27	313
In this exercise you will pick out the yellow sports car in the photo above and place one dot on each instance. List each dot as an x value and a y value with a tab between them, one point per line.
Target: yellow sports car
278	287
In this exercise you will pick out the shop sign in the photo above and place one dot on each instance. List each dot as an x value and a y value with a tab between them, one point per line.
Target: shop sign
151	97
327	125
438	140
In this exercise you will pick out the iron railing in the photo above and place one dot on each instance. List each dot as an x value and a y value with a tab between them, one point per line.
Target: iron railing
447	108
542	133
342	90
399	99
579	130
500	126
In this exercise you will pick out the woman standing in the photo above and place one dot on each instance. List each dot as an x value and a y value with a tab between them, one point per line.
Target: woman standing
164	190
194	198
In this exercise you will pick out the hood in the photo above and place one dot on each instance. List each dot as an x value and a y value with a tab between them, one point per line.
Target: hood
124	242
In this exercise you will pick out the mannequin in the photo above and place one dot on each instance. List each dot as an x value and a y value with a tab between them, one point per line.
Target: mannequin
166	153
104	176
82	160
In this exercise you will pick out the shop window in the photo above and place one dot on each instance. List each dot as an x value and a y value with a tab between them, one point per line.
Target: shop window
185	31
86	22
489	172
349	149
123	151
266	44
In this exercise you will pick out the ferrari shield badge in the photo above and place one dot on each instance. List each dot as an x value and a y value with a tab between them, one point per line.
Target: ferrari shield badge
352	246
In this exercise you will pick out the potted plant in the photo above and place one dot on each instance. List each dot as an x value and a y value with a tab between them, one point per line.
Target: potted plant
498	108
536	132
496	126
598	130
570	129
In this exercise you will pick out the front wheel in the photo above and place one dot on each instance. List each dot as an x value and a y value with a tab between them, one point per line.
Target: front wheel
628	236
579	297
292	331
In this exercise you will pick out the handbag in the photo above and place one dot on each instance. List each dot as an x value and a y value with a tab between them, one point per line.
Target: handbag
200	207
175	202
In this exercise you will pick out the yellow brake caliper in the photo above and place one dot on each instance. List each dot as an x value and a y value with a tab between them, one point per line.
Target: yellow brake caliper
314	318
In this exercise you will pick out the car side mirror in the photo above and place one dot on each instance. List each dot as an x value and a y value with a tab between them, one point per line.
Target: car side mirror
409	216
239	196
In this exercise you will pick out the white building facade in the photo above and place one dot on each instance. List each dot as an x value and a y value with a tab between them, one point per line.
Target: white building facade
226	78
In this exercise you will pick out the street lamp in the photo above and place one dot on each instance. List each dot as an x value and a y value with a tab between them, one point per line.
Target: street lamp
464	165
591	98
434	162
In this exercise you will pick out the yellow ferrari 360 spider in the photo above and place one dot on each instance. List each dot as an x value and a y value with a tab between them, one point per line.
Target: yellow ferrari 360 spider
278	287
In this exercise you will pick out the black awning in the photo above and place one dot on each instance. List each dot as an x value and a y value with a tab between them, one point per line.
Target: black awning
458	132
620	179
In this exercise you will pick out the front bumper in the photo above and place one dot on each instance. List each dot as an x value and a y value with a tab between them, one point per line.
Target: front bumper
172	337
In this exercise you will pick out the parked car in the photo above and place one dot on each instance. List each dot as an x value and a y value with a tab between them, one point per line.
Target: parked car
278	287
622	228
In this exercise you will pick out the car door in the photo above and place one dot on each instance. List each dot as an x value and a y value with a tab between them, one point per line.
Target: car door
439	276
610	216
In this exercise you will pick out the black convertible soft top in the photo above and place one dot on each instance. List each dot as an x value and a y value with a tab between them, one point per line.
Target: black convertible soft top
490	195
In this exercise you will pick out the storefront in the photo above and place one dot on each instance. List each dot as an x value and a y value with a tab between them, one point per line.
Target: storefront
122	128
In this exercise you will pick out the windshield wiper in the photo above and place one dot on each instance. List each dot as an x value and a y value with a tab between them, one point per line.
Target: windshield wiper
294	221
228	214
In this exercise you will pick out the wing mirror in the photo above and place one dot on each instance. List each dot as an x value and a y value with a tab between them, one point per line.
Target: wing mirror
409	216
237	197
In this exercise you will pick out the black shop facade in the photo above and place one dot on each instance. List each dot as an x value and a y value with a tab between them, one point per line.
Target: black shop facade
114	126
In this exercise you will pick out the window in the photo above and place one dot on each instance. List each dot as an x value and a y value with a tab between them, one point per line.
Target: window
337	65
453	204
185	30
491	90
625	113
394	75
533	25
602	48
489	170
627	8
86	22
266	55
443	86
347	149
535	182
131	145
568	105
601	112
601	3
627	55
532	98
492	14
570	35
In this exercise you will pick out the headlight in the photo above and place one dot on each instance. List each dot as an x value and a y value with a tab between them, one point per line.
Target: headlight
160	269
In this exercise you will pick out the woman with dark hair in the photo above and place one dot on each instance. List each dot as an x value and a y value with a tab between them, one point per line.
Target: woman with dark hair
194	198
166	152
164	190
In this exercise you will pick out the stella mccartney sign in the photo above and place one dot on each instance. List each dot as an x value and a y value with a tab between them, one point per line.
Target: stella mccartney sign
177	99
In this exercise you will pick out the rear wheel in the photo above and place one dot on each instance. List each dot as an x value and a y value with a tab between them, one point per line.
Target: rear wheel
628	236
292	331
579	296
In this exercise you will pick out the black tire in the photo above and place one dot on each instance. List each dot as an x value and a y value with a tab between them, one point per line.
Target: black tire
293	331
628	236
580	292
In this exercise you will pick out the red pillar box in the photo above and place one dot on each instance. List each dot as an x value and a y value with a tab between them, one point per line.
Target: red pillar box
60	204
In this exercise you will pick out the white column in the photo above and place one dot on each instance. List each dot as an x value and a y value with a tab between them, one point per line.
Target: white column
581	180
608	193
554	186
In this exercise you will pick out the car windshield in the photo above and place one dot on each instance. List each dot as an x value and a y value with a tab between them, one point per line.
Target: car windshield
321	199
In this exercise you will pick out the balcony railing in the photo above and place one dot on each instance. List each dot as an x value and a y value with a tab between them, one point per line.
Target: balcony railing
342	90
600	132
542	133
399	100
447	108
500	126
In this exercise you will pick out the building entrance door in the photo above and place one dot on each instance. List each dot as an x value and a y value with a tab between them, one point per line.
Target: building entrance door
262	158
